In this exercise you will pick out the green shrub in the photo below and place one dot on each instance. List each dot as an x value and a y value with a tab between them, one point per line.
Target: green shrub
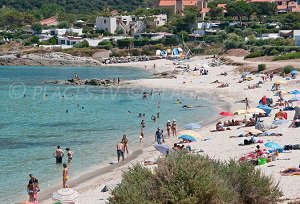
294	55
185	178
287	69
105	45
261	67
274	52
83	44
256	53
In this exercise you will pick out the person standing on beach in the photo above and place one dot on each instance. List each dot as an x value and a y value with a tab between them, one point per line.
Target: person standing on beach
174	128
247	103
58	154
69	154
125	143
120	151
65	176
35	182
169	128
118	81
158	136
271	76
32	192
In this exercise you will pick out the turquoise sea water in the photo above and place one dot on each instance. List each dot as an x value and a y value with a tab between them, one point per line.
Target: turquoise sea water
33	124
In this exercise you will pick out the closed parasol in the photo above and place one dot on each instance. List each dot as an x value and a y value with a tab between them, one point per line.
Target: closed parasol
66	196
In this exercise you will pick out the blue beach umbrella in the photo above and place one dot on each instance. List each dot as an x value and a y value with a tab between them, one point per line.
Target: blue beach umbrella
267	109
272	145
294	92
295	72
162	148
187	137
294	99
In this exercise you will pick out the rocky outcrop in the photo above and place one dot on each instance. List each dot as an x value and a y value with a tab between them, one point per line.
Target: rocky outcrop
115	60
80	82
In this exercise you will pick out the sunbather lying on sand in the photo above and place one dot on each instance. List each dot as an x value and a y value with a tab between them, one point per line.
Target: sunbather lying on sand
253	86
216	82
223	85
290	172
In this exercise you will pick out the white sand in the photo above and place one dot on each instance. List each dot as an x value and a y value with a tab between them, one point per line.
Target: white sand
219	145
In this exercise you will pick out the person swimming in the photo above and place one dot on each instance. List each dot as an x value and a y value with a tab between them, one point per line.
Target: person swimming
186	106
177	101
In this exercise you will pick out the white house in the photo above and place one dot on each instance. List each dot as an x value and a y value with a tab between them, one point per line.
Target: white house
69	40
265	36
160	20
297	37
128	24
108	24
62	31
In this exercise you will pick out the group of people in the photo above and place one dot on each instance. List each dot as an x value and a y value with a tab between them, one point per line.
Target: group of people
33	188
171	129
59	154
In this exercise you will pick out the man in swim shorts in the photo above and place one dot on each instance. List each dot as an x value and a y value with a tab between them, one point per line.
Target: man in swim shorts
58	154
120	151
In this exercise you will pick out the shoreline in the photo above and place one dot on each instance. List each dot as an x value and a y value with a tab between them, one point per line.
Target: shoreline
106	172
219	145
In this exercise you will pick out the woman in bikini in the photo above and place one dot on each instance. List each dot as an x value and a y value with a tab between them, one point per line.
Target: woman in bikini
174	128
65	176
125	142
169	128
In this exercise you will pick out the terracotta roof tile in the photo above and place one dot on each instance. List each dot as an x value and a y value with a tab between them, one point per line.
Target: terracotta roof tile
167	3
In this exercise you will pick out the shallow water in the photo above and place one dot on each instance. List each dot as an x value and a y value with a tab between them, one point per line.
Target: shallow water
32	125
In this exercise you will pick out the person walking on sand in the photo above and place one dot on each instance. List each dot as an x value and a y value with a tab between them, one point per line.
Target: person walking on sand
125	143
118	81
69	154
174	128
65	176
141	136
58	154
247	103
120	151
158	136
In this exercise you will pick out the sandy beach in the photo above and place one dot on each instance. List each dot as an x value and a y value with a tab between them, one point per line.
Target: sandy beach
217	145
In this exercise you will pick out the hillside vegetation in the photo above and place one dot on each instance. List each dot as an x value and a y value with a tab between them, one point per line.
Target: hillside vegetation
78	6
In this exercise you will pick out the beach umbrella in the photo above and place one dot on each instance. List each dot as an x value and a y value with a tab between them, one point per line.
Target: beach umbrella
272	145
280	82
255	111
267	109
190	133
65	195
187	137
280	122
294	99
162	148
294	92
253	131
226	113
295	72
192	126
245	74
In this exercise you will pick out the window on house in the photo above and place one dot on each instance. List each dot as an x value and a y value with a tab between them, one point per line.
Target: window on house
105	21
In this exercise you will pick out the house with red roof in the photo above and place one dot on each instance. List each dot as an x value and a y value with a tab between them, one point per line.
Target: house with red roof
52	21
178	6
